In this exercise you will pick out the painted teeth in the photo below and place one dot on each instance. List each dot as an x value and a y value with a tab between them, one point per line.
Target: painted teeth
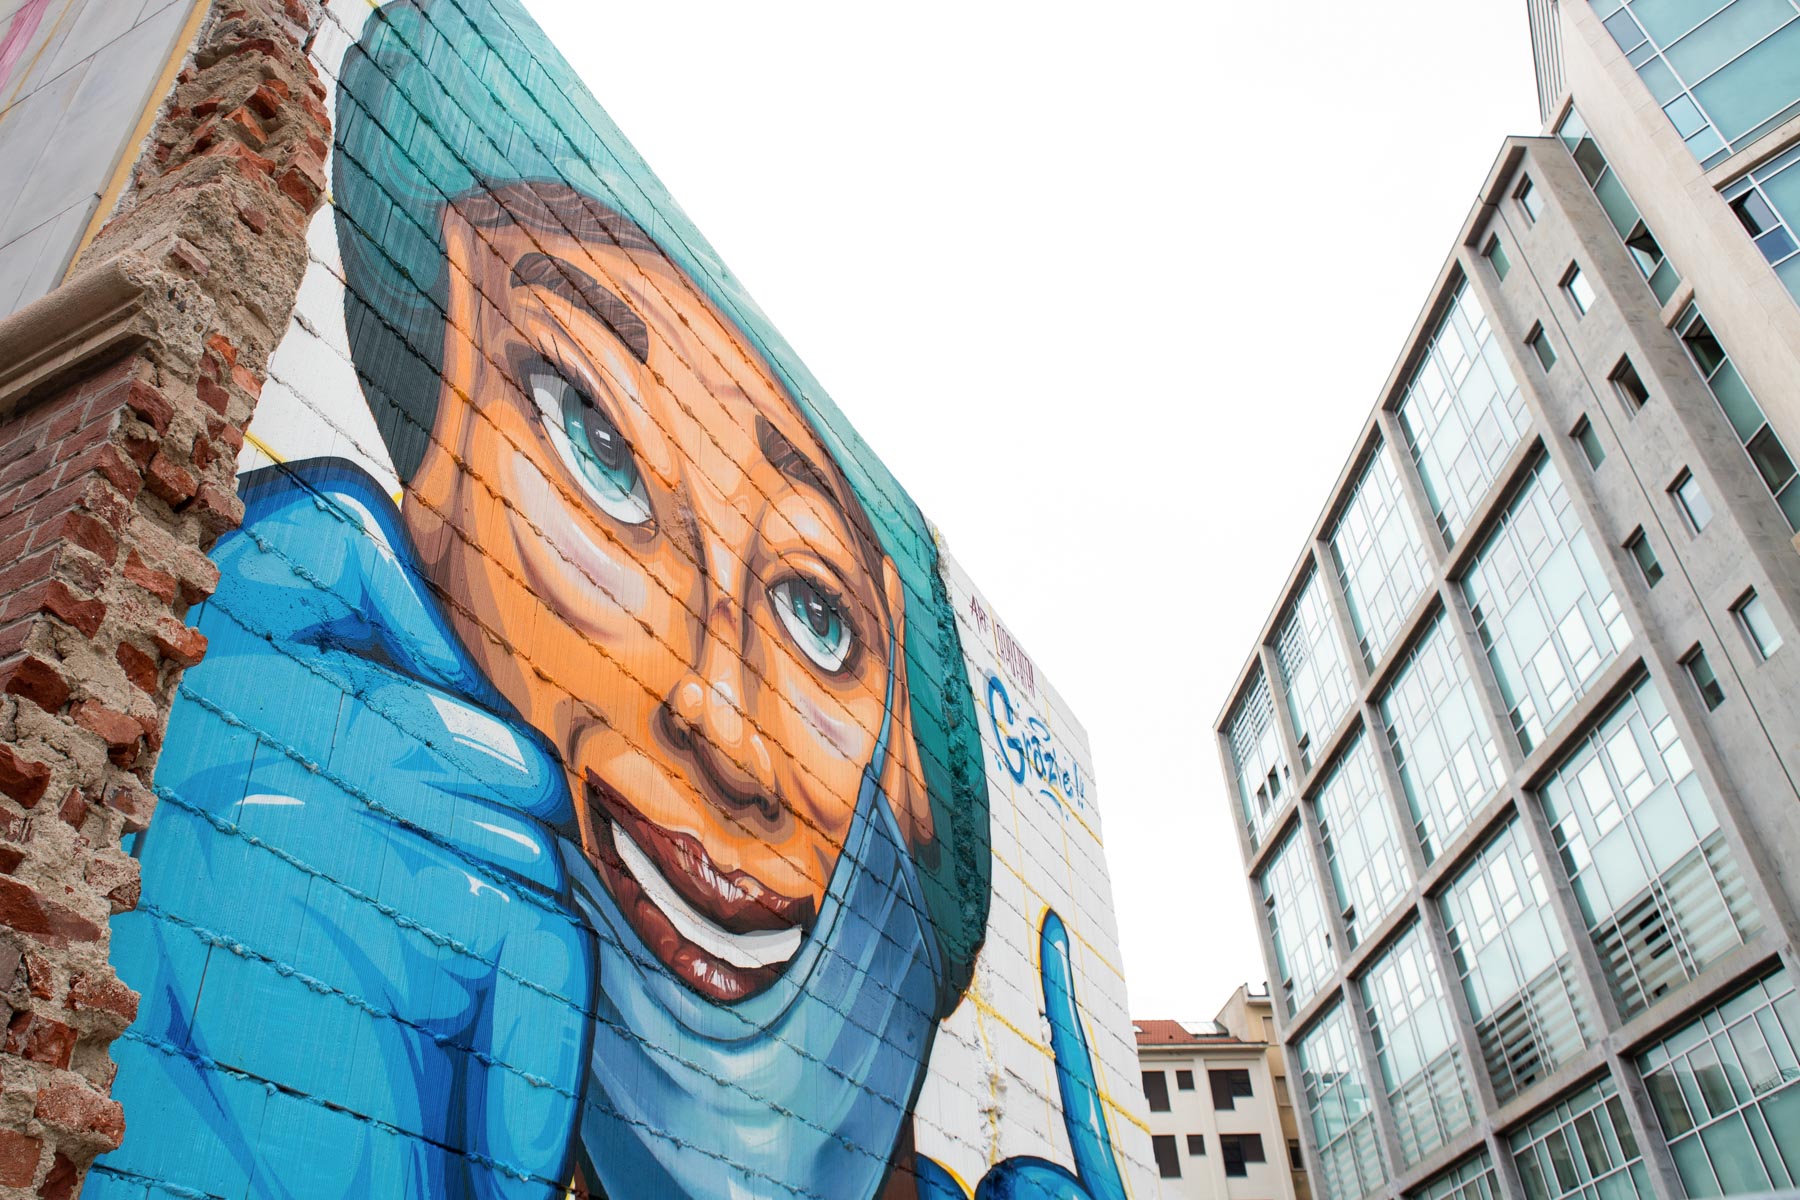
745	951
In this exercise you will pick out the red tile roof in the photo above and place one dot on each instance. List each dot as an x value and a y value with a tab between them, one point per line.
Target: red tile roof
1174	1033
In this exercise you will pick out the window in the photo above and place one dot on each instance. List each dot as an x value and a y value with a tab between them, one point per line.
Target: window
1696	510
1184	1081
1767	204
1759	628
1641	551
1636	835
1255	755
1227	1086
1629	386
1699	669
1515	967
1462	413
1240	1148
1545	612
1196	1145
1294	908
1369	868
1449	764
1589	441
1646	255
1380	556
1539	341
1295	1162
1754	433
1581	1148
1156	1090
1724	1088
1471	1179
1422	1066
1168	1159
1336	1090
1496	256
1529	200
1576	287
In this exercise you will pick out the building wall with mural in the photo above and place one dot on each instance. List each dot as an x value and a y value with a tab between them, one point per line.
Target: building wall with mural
599	781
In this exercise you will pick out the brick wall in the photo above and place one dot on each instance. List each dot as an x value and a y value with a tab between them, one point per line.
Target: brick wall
123	400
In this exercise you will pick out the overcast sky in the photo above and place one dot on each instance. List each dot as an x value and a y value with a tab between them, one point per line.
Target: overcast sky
1110	288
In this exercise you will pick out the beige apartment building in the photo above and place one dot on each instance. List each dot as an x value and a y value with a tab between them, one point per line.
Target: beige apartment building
1221	1118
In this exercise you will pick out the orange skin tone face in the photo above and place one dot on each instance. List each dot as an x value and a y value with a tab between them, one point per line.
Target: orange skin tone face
643	634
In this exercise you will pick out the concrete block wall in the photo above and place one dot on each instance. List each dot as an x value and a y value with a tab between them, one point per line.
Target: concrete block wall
123	399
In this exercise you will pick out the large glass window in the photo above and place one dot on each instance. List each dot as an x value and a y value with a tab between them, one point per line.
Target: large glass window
1462	413
1515	967
1767	204
1422	1066
1545	612
1770	458
1295	910
1369	871
1582	1146
1448	762
1471	1179
1315	673
1260	768
1640	243
1727	1092
1658	887
1380	557
1724	73
1336	1092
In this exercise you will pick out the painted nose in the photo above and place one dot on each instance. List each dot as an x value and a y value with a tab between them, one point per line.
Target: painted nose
705	714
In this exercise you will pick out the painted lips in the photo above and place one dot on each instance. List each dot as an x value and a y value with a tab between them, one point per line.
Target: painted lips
723	933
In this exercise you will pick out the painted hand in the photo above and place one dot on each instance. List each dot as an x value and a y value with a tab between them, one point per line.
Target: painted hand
1096	1173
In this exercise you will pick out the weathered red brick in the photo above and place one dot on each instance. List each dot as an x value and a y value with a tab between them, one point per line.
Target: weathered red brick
183	643
266	100
19	1155
103	993
134	803
74	1107
160	584
83	612
40	1039
169	481
212	395
255	218
74	808
150	405
10	857
38	681
40	975
139	667
87	531
219	506
62	1180
122	734
30	913
22	778
111	462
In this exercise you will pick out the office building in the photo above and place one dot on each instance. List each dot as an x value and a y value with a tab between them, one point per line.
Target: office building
1221	1116
1514	757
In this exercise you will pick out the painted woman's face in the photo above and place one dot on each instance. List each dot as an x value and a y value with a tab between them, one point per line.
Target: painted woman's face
651	554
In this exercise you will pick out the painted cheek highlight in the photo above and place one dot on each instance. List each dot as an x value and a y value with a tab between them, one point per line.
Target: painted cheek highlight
578	566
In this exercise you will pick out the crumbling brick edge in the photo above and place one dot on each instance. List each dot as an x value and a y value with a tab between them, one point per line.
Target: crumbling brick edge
124	397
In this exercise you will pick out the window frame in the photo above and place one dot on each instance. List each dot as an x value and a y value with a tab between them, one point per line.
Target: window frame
1225	1081
1161	1090
1573	285
1167	1166
1696	523
1184	1081
1525	196
1196	1145
1703	678
1587	438
1538	340
1497	258
1631	545
1622	371
1740	614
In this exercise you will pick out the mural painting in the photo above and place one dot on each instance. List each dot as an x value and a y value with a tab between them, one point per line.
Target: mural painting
598	783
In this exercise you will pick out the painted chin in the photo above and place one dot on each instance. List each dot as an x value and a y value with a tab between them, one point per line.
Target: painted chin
722	933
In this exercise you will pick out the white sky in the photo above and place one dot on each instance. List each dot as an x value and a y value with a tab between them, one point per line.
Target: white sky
1110	288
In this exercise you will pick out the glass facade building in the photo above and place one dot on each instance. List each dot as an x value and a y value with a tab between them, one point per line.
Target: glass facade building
1526	880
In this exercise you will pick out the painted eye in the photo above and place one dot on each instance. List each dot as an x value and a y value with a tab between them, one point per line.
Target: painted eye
815	620
591	446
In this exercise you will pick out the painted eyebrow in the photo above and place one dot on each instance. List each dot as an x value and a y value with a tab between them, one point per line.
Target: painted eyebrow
587	293
785	457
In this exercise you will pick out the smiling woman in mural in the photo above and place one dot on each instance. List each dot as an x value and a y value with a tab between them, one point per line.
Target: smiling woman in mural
573	822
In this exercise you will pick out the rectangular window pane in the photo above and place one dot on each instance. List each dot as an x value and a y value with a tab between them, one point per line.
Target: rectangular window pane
1184	1081
1579	290
1294	908
1228	1085
1369	870
1539	341
1335	1088
1315	670
1758	625
1695	507
1462	414
1422	1065
1471	1179
1645	556
1530	201
1557	1163
1646	254
1448	763
1260	768
1589	441
1168	1159
1515	968
1773	463
1196	1144
1156	1090
1739	1058
1636	833
1630	386
1706	681
1380	556
1545	612
1496	254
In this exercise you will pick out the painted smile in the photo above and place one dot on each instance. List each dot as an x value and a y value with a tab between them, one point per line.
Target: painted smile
723	933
